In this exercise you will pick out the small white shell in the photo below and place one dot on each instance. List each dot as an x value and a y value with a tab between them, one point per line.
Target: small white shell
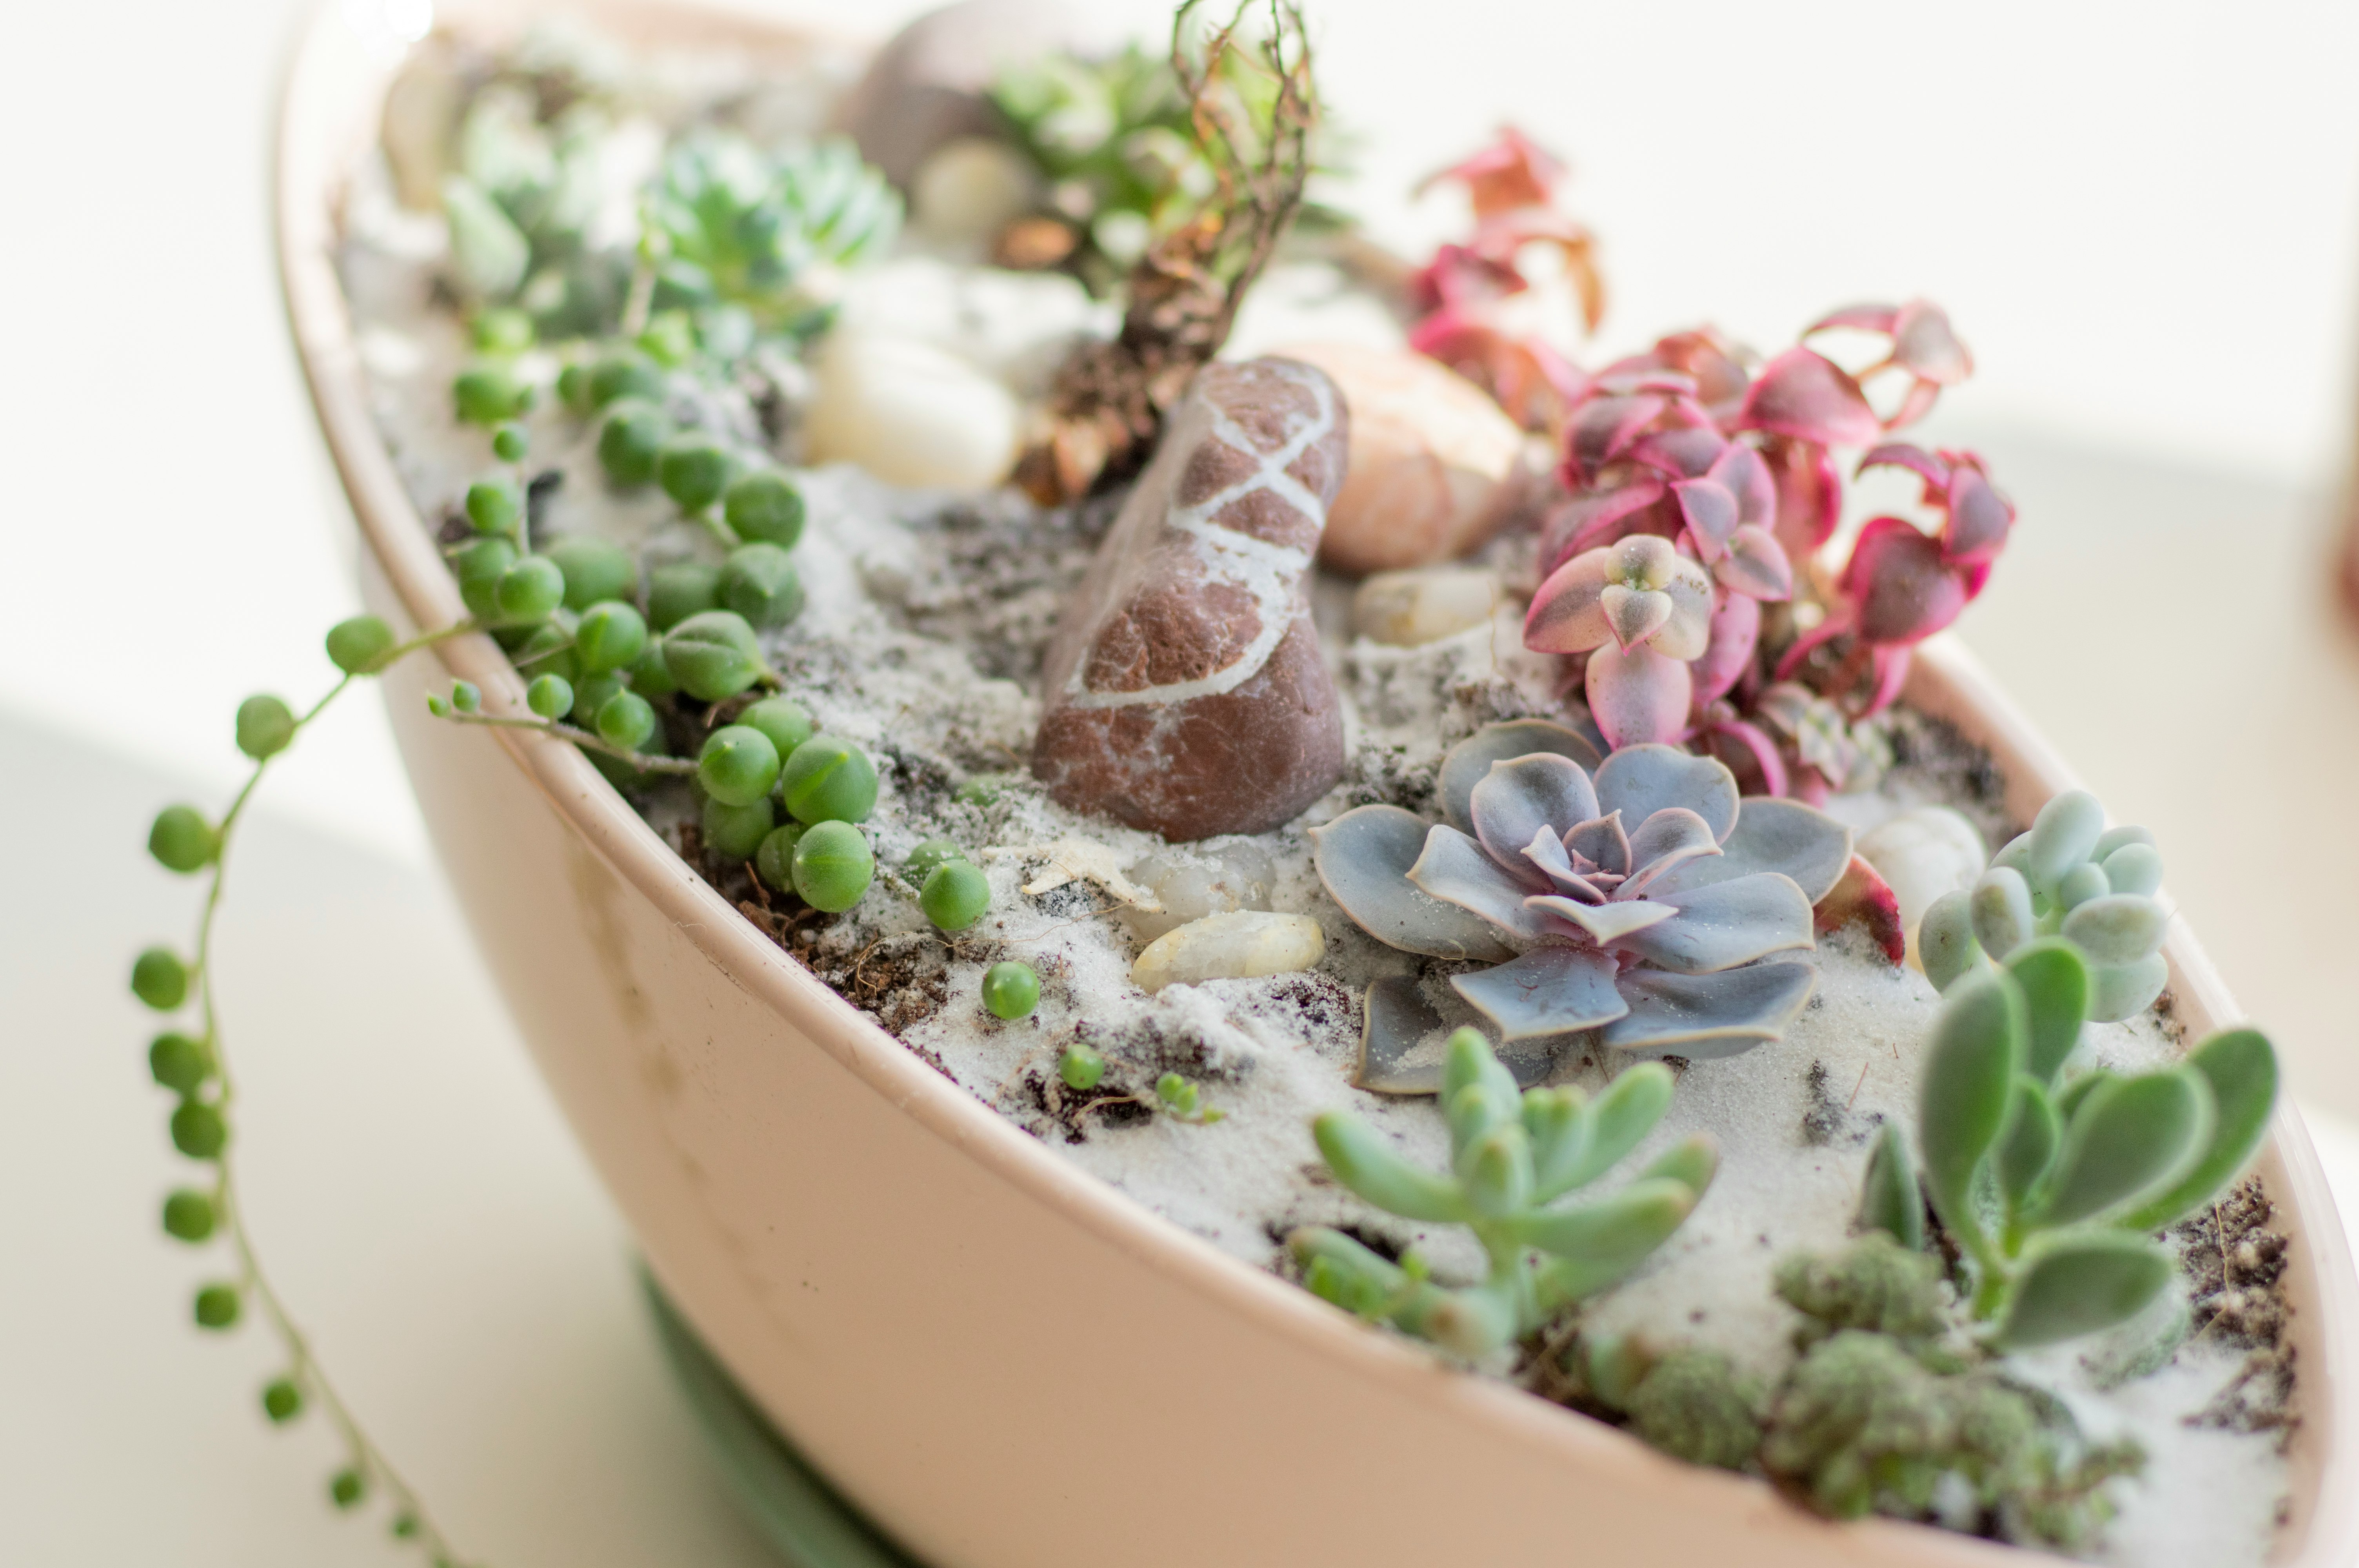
1237	946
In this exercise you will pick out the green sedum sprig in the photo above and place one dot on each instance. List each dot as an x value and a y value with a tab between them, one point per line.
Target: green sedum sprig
1514	1153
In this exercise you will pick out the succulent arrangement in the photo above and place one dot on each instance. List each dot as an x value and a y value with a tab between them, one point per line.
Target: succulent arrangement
1644	903
1513	1152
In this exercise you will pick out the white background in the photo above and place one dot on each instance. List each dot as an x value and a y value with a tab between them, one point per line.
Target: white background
2141	217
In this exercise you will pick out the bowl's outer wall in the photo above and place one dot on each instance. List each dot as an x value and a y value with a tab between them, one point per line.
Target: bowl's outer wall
1004	1362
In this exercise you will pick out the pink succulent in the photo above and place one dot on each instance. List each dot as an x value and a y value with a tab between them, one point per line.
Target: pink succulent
1641	611
1901	584
1923	345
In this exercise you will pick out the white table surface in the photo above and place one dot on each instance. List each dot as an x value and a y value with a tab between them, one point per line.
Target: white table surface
2175	331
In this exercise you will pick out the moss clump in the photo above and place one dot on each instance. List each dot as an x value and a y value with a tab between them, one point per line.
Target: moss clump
1874	1284
1692	1406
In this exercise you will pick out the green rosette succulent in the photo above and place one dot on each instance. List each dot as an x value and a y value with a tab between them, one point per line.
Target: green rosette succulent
2072	877
1512	1153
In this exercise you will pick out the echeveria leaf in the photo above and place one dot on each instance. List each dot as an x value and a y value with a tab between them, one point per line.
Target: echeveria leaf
1774	835
1605	923
2123	991
1548	991
2135	868
2064	834
2001	906
1705	1016
2241	1068
2128	1138
2079	1284
2056	1001
1622	1115
1366	1164
1455	869
1693	1160
1364	858
1945	940
1665	842
1890	1200
1639	780
2119	928
1396	1018
1602	1242
1470	761
1969	1078
1604	841
1525	795
1723	925
2028	1147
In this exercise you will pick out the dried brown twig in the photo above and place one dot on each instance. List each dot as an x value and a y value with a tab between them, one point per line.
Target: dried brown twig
1109	398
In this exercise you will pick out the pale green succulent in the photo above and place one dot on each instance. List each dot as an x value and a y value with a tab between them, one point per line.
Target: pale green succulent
2052	1189
2069	876
1514	1153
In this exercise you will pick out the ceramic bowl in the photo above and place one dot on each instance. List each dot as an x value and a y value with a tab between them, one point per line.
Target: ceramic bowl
1001	1360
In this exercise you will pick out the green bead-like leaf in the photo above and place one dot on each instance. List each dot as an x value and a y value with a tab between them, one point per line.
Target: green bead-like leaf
2056	1001
1366	1164
1970	1070
1619	1118
1945	940
1890	1200
1596	1244
2126	1138
2241	1067
2001	904
2081	1284
2033	1132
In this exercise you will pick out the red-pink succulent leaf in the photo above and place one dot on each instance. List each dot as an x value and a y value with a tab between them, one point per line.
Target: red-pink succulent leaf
1865	317
1604	427
1809	494
1807	395
1720	379
1636	380
1567	615
1933	470
1748	479
1710	512
1924	345
1863	895
1903	592
1593	520
1735	631
1891	674
1759	747
1635	614
1979	519
1513	171
1687	452
1920	401
1837	623
1755	565
1638	696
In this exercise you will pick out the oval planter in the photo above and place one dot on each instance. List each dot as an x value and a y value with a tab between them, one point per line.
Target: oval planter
1003	1361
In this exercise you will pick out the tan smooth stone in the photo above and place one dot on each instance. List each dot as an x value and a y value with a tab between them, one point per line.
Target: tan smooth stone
1408	610
1233	946
1922	854
1436	466
909	413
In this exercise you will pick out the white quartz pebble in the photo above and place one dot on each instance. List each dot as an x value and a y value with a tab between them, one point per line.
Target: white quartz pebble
1922	854
1408	610
909	413
1230	946
968	191
1190	884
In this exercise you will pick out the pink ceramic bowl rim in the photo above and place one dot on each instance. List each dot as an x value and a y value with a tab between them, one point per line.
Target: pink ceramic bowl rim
323	77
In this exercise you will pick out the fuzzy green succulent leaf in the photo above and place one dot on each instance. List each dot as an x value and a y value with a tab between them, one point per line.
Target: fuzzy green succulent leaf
1970	1071
1890	1200
1876	1283
2118	928
1597	1244
1478	1093
1338	1269
2055	984
1495	1171
2001	904
1693	1406
1366	1164
2063	835
1613	1366
1945	940
2241	1067
2135	868
2068	1102
2080	1284
1472	1322
2033	1132
1623	1112
488	252
1558	1121
2127	1140
2117	991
